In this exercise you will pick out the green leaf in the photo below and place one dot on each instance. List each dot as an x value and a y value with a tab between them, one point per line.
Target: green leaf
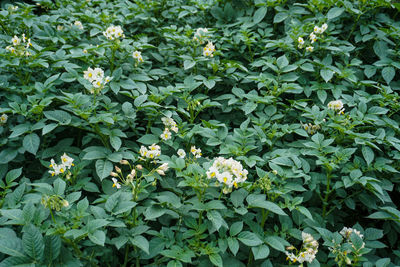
236	228
48	128
382	262
259	201
115	142
13	174
153	212
388	74
356	240
368	154
275	242
216	218
259	14
31	143
59	186
188	64
249	239
326	74
216	259
174	263
19	130
140	100
98	237
141	243
233	245
52	246
305	211
91	155
32	242
103	168
12	247
7	155
260	252
59	116
334	12
282	62
148	139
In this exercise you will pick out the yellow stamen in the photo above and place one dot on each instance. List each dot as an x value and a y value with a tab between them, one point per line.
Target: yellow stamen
62	170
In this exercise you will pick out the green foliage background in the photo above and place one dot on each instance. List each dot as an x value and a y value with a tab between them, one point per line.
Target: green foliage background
250	102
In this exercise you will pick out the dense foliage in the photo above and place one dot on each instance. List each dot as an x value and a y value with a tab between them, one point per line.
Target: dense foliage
199	133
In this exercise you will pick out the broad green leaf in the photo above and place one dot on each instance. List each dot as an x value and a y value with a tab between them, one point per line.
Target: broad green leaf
334	12
98	237
31	143
216	259
141	243
249	239
236	228
188	64
32	242
59	116
326	74
259	14
388	74
13	174
103	168
368	154
148	139
260	252
12	247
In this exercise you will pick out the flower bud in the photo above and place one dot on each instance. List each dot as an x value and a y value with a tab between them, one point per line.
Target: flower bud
124	162
133	172
160	172
139	167
118	170
113	174
275	172
129	178
65	203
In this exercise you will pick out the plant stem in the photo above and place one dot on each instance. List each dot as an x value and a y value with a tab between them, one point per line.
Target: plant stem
327	192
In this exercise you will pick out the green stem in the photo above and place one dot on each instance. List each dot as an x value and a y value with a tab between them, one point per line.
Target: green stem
327	192
52	216
126	255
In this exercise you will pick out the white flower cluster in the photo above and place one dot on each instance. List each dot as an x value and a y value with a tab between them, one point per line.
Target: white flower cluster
3	118
96	78
228	172
114	32
20	46
208	50
336	105
307	253
170	125
200	35
153	152
310	128
66	163
138	56
312	37
196	152
346	232
78	24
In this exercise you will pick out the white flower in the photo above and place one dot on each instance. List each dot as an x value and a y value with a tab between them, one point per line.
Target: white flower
89	74
143	151
313	37
114	32
67	161
162	169
200	35
324	27
300	40
60	27
15	40
98	74
309	48
196	152
153	152
97	83
317	29
212	172
208	50
3	118
181	153
78	24
166	135
11	49
336	105
138	56
115	183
